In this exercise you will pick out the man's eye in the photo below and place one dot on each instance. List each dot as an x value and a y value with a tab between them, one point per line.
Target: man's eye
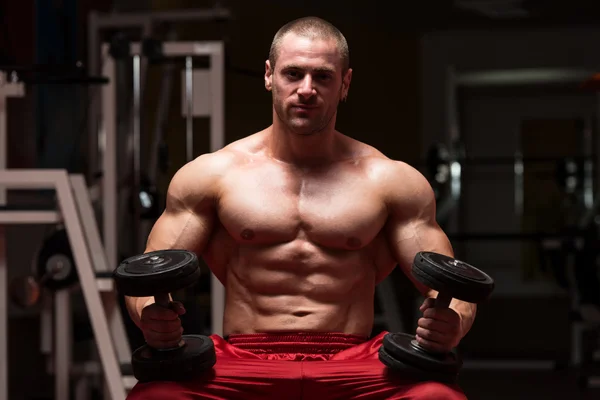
323	77
292	74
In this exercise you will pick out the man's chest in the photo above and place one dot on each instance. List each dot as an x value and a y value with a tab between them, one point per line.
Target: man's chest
336	210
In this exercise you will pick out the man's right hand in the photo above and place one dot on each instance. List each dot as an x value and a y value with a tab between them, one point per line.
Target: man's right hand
161	326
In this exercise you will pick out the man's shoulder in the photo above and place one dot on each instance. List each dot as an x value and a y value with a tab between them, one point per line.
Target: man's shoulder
397	181
217	162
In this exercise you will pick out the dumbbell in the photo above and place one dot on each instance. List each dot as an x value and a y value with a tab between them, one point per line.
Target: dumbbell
451	278
157	274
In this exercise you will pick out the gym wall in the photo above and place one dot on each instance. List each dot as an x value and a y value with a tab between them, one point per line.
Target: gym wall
494	122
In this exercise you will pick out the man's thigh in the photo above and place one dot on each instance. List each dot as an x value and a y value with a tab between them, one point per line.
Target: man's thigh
232	379
368	379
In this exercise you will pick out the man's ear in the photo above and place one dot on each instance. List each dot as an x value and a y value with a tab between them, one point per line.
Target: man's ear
268	75
346	84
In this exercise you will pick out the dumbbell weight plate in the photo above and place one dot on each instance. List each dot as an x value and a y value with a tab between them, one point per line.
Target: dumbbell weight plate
400	346
192	359
55	264
162	271
454	278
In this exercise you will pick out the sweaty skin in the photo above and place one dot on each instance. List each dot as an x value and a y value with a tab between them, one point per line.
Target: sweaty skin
299	248
300	222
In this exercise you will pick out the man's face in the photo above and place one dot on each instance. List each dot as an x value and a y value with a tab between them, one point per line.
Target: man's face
307	83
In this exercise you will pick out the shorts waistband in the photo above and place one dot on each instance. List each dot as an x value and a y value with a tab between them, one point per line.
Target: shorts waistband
295	342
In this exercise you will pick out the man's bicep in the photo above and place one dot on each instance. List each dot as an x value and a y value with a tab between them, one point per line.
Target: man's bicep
411	237
412	225
181	229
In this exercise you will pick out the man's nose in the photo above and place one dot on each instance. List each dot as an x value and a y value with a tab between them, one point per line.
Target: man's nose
306	88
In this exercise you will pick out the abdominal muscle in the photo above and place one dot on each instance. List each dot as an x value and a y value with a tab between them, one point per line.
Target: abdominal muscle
298	286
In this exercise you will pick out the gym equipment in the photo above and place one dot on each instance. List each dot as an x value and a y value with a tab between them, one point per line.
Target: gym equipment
208	91
157	274
452	279
55	270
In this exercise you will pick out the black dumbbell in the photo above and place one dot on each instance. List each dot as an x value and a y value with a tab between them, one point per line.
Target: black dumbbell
451	278
157	274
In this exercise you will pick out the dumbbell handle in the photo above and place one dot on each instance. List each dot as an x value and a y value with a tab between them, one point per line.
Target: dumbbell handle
442	300
162	300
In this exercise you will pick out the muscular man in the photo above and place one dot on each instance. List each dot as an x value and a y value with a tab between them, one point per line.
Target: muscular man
300	222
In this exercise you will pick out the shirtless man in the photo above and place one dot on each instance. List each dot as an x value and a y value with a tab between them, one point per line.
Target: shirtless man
300	222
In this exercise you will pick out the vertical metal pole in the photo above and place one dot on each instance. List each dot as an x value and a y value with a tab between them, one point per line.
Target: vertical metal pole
7	89
588	164
136	149
189	99
109	150
62	344
3	318
519	170
453	140
3	266
94	156
3	137
217	141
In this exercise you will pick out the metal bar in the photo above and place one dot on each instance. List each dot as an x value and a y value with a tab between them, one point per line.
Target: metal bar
525	76
7	89
217	141
3	318
46	334
100	262
114	20
519	182
588	166
87	280
189	100
29	217
184	49
62	343
94	157
136	148
109	151
30	178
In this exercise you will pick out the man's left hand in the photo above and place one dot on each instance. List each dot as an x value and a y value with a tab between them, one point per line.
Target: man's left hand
439	329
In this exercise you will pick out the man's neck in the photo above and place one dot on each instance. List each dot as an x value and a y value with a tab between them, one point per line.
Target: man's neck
302	150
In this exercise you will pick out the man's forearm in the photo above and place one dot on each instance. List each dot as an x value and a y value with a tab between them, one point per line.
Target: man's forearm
467	312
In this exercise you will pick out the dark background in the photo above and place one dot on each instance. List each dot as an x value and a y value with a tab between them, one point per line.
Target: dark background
400	53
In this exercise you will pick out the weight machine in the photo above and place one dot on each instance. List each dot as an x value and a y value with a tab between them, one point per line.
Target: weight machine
75	211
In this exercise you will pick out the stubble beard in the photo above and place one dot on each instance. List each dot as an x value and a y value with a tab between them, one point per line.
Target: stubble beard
314	126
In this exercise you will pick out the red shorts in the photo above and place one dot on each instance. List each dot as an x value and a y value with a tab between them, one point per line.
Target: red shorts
297	366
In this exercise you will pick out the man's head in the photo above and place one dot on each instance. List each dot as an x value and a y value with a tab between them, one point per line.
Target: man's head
308	73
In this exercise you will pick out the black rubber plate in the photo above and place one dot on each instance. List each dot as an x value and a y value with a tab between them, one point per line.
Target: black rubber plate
162	271
452	277
188	362
405	370
399	346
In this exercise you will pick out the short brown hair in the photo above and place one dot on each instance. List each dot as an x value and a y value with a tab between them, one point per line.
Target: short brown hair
314	28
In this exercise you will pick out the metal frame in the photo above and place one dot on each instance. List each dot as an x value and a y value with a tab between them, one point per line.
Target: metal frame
7	89
97	22
215	50
60	181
